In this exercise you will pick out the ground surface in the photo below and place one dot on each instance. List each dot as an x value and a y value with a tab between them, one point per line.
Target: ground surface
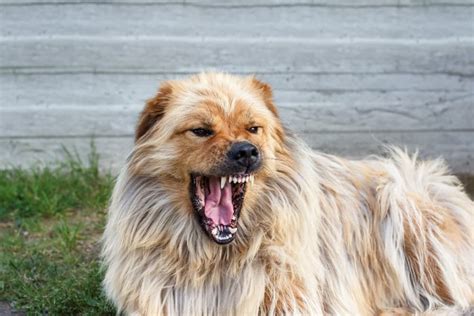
51	220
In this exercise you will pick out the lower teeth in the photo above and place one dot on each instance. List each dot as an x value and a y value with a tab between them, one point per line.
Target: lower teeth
219	229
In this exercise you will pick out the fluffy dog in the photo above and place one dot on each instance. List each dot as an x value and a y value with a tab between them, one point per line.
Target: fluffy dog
221	211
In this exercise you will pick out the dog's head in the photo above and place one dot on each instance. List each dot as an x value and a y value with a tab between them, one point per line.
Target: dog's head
214	138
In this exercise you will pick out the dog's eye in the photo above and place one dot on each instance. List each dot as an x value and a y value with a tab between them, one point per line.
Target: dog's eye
202	132
254	129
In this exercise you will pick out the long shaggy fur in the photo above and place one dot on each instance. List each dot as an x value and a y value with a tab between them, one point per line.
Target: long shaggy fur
321	234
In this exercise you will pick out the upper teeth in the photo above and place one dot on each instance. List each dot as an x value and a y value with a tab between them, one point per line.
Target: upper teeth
237	179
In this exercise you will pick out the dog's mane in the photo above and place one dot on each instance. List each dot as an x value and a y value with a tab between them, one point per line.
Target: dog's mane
321	228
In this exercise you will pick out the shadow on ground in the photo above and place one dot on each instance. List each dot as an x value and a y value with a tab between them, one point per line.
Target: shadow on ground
468	181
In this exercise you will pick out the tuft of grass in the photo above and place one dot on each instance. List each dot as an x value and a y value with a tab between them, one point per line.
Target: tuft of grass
51	220
67	235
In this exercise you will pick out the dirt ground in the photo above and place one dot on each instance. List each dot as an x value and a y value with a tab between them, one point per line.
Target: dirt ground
6	310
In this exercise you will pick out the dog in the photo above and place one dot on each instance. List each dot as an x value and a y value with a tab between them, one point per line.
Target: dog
220	210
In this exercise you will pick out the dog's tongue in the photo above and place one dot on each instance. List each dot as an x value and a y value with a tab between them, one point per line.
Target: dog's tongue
218	205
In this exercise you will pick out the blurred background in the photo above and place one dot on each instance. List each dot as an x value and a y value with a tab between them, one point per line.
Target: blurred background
349	76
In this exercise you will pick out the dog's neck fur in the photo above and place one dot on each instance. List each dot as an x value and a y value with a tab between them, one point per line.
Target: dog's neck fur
184	263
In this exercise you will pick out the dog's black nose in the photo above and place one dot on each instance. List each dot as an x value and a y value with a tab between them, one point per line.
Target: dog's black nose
245	154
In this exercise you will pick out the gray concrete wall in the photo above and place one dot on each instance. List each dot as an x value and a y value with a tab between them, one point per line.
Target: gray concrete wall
349	76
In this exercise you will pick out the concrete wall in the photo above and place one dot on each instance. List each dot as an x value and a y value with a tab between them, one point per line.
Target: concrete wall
349	76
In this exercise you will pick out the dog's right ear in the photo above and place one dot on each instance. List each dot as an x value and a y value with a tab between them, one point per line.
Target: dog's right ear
266	91
153	111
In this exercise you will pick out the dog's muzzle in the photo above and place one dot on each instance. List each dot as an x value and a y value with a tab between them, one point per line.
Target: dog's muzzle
218	197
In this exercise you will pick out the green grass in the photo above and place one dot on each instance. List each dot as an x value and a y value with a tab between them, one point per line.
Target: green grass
51	219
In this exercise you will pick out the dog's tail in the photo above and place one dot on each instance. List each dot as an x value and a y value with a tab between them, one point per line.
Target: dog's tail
426	222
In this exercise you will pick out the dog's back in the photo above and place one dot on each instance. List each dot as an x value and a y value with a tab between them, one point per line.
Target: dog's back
404	229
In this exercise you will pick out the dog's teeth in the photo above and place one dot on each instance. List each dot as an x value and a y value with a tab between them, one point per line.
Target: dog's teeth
234	218
247	178
239	180
223	180
252	179
214	231
232	230
235	179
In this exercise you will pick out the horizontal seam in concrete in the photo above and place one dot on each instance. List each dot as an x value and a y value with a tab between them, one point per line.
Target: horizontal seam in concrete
138	105
52	70
243	6
240	40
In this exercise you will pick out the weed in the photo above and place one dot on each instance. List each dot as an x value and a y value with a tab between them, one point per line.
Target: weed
67	234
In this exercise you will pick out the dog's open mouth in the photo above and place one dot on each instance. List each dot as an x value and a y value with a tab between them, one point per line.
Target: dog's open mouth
218	201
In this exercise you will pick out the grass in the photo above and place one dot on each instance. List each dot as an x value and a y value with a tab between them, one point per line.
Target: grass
51	219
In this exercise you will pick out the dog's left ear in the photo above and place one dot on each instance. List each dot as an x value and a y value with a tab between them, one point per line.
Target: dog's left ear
266	91
153	111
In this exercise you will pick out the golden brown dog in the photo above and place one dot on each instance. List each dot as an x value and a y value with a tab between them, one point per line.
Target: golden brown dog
221	211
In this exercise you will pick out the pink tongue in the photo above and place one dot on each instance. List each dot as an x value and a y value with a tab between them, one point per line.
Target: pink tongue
218	205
